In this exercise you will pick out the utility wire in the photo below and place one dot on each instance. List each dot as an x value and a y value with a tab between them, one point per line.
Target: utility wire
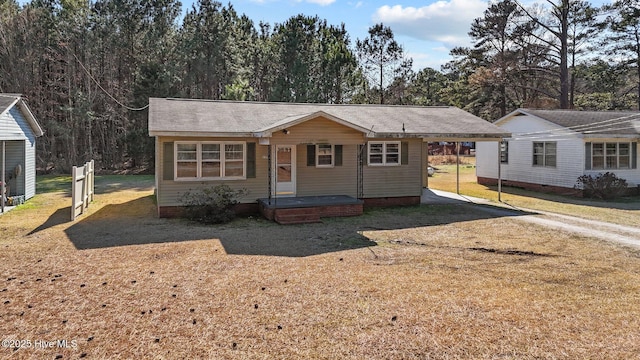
561	135
100	86
590	127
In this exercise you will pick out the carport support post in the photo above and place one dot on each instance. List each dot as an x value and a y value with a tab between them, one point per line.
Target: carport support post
500	170
458	167
3	186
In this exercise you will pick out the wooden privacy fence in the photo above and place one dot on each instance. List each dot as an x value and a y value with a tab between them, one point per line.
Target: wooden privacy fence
82	184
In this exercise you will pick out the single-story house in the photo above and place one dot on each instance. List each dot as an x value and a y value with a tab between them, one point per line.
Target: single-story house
550	149
18	132
291	155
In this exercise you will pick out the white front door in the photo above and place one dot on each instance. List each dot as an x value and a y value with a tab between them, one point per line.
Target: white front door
284	170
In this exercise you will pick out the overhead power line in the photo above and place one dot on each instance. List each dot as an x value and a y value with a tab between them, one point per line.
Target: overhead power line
597	126
103	89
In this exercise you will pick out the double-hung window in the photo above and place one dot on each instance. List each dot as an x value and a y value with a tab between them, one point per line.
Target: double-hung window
611	155
544	153
325	155
384	153
209	160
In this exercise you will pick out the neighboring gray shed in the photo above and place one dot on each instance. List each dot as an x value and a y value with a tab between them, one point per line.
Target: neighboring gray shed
18	132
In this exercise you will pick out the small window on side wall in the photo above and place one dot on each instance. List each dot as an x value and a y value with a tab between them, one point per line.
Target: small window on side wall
544	154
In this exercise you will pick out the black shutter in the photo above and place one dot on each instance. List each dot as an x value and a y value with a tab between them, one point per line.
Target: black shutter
338	154
587	156
167	161
634	155
404	153
311	155
251	160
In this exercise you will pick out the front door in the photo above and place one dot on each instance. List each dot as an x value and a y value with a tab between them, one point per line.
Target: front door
285	170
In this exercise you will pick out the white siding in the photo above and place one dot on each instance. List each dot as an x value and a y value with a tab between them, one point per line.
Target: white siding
20	150
570	156
13	126
487	160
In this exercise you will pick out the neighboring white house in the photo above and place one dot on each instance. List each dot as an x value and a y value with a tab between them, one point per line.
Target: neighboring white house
18	132
550	149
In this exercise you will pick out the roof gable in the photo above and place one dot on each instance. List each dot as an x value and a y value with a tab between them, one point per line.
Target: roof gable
298	119
8	101
590	123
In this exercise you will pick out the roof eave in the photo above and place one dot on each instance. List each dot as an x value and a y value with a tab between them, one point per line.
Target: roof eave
157	133
462	136
37	130
611	136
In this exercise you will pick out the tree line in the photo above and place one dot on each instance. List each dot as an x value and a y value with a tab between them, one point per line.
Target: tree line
88	67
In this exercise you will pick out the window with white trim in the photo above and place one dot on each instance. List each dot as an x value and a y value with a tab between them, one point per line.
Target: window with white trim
325	154
209	160
610	155
544	153
384	153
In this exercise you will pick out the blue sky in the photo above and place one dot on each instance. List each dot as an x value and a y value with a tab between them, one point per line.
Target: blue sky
427	30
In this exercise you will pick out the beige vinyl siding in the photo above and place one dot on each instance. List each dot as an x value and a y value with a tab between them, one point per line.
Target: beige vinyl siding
338	180
318	131
393	181
170	191
379	181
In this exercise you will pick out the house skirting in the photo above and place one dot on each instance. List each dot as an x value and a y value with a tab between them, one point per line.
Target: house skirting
178	211
391	201
560	190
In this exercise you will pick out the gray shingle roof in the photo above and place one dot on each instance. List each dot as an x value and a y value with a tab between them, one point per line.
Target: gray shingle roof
592	122
6	100
211	117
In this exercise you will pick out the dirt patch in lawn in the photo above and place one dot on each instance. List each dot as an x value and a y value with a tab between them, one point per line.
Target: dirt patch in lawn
421	282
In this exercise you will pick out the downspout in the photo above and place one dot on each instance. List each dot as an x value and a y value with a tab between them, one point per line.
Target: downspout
425	164
270	173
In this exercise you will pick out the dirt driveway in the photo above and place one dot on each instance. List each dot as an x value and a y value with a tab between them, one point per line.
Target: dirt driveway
625	235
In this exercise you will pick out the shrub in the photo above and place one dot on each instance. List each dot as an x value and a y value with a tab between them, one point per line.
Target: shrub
603	186
212	205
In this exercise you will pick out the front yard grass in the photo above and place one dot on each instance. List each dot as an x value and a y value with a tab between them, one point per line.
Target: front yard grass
429	282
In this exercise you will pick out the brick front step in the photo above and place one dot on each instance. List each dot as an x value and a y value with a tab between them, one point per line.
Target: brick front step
304	215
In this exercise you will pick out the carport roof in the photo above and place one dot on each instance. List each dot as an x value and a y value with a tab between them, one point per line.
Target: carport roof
190	117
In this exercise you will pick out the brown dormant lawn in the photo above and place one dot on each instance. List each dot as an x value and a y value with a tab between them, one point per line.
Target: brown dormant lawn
624	211
437	282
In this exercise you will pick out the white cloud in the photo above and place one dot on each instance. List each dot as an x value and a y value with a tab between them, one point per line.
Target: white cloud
446	22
